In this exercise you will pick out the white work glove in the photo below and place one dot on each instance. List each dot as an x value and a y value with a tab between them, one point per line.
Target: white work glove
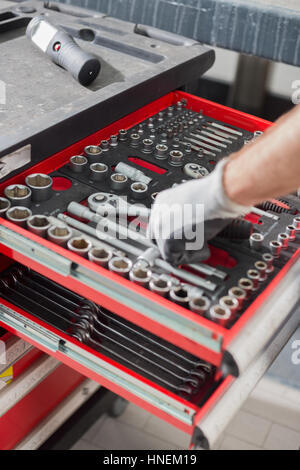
184	218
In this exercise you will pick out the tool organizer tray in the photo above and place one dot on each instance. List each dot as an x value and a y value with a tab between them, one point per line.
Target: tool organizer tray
227	350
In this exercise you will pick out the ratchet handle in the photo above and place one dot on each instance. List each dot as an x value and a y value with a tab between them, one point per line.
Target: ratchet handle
66	53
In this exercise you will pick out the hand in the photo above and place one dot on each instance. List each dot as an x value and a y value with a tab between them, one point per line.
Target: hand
184	218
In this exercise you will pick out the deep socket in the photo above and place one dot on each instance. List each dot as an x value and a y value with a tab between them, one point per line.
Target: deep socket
98	171
118	182
254	275
40	185
179	295
262	268
268	259
38	224
78	163
18	215
176	158
199	305
79	245
283	238
18	195
229	302
60	235
4	206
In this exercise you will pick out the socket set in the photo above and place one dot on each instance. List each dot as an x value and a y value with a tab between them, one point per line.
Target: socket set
173	146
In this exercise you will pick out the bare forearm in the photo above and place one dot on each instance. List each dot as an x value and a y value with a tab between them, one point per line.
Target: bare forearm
268	168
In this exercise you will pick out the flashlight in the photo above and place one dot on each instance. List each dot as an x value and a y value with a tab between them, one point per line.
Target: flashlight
63	50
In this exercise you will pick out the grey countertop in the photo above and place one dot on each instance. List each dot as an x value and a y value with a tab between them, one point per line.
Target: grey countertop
266	28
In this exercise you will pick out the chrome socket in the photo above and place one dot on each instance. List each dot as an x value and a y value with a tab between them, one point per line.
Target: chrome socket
255	276
283	238
268	259
100	256
18	195
239	294
105	145
160	286
78	163
79	245
229	302
176	158
4	206
296	222
132	173
179	295
139	190
60	235
93	153
120	265
275	248
139	275
291	232
262	268
122	135
199	305
38	224
256	241
247	285
98	171
153	196
220	315
113	141
161	152
18	215
118	182
40	185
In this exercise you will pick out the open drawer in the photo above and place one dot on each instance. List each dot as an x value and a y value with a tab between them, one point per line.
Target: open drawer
233	346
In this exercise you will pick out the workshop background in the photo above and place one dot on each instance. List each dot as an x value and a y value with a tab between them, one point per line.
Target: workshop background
270	419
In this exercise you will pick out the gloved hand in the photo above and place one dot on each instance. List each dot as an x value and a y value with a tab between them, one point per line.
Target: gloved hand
184	218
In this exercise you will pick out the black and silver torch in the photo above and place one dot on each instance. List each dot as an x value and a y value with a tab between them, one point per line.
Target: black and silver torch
63	50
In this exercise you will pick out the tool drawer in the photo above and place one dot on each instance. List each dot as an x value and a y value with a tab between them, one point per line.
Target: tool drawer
147	334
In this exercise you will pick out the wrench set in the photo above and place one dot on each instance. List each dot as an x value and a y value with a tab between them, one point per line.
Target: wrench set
120	340
93	220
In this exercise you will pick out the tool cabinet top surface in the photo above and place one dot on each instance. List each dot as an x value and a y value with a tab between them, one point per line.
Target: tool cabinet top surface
266	28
